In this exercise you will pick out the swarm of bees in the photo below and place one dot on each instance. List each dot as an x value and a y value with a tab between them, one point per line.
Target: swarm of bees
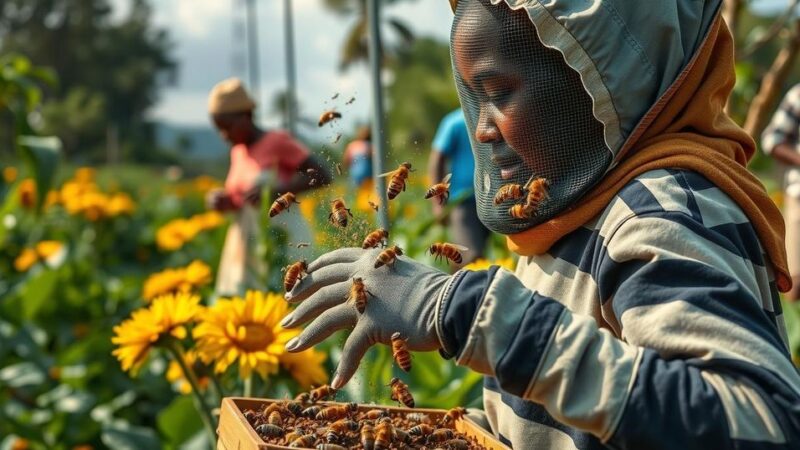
535	191
397	180
299	423
440	191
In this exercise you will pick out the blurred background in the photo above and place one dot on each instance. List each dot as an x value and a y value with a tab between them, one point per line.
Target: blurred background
107	154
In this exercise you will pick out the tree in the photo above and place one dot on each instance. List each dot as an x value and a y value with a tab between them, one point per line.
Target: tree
114	66
354	48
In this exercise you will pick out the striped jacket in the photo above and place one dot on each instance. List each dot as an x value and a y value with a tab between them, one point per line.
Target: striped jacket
655	325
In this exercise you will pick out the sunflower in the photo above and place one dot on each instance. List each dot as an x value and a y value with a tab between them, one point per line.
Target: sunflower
246	330
182	279
167	316
306	367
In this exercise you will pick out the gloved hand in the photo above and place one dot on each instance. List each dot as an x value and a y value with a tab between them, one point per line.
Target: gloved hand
404	298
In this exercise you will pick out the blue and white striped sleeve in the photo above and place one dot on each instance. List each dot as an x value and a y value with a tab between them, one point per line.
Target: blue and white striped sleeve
783	128
697	362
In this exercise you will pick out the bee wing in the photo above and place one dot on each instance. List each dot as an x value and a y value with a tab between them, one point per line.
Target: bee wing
447	178
387	174
460	248
530	180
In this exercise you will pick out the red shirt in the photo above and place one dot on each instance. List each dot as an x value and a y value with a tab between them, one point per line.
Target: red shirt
276	150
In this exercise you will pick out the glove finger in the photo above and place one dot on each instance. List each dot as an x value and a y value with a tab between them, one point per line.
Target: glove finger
342	255
353	352
325	298
314	281
329	322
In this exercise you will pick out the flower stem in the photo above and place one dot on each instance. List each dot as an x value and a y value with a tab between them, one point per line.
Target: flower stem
248	386
217	386
200	403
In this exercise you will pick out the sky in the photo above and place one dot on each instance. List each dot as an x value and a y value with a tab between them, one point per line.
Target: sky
206	44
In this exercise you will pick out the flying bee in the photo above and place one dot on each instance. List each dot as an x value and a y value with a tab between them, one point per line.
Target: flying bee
421	430
336	412
520	211
304	441
373	205
388	256
269	430
275	418
400	393
397	180
375	414
358	294
367	436
282	203
339	213
448	251
449	419
322	393
350	102
508	192
441	435
336	139
375	238
335	96
400	352
384	434
303	244
538	191
312	411
328	116
440	190
293	274
339	428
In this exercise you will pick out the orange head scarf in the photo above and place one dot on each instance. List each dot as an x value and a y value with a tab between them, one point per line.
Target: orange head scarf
686	129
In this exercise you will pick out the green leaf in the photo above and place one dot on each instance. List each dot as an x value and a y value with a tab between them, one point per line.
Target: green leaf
179	422
38	291
791	315
123	436
41	156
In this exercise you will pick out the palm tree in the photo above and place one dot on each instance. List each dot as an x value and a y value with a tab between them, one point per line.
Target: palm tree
355	47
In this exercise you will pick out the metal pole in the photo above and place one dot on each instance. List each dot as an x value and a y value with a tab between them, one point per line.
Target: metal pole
291	77
378	140
252	47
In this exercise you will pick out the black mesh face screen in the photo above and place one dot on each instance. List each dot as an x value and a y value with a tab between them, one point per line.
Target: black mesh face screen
528	115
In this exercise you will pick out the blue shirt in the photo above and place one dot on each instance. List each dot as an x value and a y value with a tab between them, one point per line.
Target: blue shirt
452	140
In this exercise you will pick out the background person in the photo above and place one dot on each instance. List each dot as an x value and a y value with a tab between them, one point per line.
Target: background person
781	140
358	157
452	153
259	159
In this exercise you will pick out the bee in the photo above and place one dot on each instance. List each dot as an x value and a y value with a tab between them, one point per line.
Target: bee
338	168
302	397
339	428
304	441
339	213
321	393
335	96
400	393
449	419
375	238
457	444
358	294
421	430
274	407
336	412
328	116
282	203
269	430
538	191
520	211
336	139
367	437
402	436
329	446
388	256
293	274
311	411
448	251
249	415
349	102
397	182
275	418
375	414
384	434
441	435
296	408
373	205
440	190
293	435
400	352
509	192
303	244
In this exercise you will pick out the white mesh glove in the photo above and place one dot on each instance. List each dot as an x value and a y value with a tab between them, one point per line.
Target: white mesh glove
404	299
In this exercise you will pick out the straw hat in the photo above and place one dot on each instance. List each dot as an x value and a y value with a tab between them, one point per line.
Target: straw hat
229	96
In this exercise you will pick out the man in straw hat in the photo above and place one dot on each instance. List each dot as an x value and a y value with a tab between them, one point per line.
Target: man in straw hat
259	159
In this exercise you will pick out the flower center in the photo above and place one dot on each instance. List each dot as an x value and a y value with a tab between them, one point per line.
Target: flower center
256	337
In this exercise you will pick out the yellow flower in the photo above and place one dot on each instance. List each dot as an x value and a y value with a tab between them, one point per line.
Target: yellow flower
175	233
365	194
10	174
198	273
118	204
167	316
84	175
163	282
483	264
27	192
307	209
25	260
306	367
208	220
46	249
244	330
175	373
52	198
205	183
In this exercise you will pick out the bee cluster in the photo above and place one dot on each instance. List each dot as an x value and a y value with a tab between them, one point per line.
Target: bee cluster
534	192
305	422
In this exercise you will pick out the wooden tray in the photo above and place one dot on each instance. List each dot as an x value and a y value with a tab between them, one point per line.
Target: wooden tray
235	433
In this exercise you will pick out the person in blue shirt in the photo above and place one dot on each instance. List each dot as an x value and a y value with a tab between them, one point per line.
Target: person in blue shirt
451	146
